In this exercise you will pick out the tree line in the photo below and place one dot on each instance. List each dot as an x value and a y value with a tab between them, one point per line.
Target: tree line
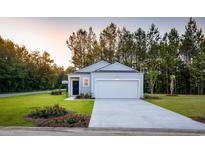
171	62
23	70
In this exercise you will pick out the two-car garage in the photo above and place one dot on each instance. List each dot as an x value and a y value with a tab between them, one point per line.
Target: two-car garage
117	85
117	88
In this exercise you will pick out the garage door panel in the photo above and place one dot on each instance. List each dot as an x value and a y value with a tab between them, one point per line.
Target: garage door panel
116	89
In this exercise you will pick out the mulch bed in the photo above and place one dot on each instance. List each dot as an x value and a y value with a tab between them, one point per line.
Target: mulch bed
199	119
68	120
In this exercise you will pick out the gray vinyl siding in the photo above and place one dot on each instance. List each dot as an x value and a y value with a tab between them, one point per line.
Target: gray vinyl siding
84	89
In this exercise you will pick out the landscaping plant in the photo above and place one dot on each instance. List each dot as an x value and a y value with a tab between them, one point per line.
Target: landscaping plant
48	112
84	96
146	96
56	92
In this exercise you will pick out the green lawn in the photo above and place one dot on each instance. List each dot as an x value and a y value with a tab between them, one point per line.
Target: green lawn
188	105
14	109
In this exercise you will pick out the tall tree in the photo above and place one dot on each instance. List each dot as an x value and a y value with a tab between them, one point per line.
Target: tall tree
83	46
153	59
77	43
152	77
140	48
169	53
181	56
108	39
92	48
21	70
125	47
198	70
190	45
191	41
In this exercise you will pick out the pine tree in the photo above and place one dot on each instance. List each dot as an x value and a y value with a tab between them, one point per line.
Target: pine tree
125	47
191	41
108	39
140	47
190	44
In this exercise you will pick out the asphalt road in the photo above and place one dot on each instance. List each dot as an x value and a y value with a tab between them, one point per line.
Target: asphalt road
50	131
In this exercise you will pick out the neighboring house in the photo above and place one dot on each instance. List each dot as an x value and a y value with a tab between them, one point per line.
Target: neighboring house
105	80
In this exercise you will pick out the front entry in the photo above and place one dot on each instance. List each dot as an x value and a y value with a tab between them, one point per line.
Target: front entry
75	87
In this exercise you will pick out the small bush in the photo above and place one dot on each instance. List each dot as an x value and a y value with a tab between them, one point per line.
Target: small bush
87	96
56	92
69	120
78	97
81	95
84	96
48	112
171	95
151	97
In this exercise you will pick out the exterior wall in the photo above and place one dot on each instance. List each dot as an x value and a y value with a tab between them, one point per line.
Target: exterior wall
82	88
80	77
123	75
93	76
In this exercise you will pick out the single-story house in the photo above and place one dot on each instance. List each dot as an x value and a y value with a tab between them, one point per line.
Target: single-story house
105	80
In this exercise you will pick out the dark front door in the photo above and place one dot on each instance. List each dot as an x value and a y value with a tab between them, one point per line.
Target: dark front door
75	87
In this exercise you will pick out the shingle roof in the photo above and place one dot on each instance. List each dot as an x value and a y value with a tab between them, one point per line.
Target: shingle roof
93	67
103	66
116	67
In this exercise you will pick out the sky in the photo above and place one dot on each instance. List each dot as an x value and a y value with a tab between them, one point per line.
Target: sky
50	34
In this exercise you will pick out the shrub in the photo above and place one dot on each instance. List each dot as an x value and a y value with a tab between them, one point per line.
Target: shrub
151	97
69	120
87	96
48	112
84	96
56	92
81	95
171	95
78	97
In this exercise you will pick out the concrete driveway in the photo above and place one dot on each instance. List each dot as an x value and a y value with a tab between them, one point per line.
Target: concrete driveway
136	113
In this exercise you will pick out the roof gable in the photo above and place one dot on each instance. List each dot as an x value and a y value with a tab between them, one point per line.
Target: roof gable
93	67
116	67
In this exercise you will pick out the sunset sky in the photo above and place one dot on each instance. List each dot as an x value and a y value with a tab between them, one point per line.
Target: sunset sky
50	34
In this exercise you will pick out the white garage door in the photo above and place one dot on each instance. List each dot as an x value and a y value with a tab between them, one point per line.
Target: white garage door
117	88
